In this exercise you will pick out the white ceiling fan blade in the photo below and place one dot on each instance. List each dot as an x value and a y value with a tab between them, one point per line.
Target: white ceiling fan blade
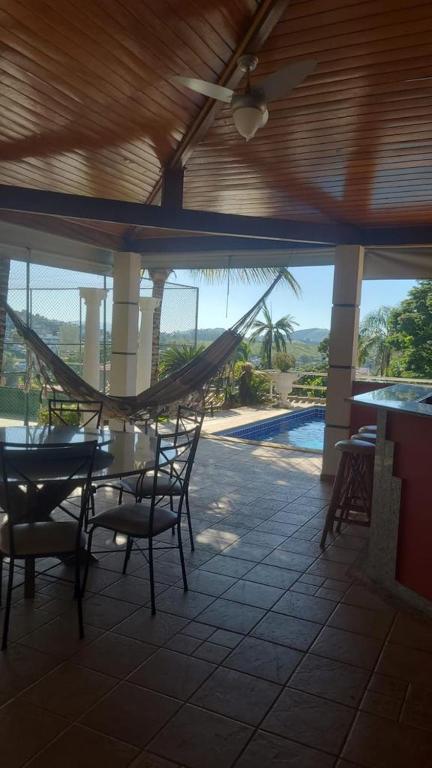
207	89
281	83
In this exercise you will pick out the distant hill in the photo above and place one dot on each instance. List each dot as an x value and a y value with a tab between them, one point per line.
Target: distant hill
188	337
310	335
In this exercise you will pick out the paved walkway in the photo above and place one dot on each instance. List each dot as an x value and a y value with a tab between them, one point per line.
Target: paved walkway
277	657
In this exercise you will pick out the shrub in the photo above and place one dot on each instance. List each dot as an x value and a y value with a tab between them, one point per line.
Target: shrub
284	361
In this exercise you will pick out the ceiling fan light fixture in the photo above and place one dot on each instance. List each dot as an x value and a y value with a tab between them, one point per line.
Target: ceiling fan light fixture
248	119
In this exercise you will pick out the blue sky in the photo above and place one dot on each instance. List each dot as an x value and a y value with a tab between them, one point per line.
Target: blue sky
311	310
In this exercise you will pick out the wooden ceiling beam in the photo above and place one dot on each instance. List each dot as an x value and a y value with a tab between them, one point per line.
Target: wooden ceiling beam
181	221
210	244
264	21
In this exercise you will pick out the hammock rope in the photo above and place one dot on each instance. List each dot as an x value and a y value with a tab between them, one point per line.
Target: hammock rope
175	387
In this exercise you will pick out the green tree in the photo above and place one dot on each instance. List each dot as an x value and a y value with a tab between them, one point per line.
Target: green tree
270	334
4	285
252	275
323	349
411	333
375	342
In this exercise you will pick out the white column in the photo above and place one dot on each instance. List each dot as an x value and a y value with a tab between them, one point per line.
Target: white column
344	330
147	306
91	367
126	283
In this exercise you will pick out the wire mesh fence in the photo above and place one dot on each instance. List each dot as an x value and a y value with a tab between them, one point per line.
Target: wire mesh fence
48	299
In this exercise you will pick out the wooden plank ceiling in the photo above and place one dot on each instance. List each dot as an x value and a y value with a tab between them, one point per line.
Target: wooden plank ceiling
87	107
354	142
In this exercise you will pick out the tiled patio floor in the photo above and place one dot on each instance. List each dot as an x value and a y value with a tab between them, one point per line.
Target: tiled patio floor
275	657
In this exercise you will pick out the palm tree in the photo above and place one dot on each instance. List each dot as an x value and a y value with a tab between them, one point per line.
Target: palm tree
374	340
270	333
257	275
176	357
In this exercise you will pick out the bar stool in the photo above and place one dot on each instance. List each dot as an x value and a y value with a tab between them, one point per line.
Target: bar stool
352	489
370	437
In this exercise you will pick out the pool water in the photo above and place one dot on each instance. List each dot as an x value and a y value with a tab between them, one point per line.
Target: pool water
303	429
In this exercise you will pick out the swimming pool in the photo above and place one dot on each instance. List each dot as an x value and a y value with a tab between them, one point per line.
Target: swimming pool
303	429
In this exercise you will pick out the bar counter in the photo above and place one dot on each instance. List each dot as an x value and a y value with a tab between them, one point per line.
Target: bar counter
400	546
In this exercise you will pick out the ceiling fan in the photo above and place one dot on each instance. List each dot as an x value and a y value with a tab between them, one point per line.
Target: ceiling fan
249	109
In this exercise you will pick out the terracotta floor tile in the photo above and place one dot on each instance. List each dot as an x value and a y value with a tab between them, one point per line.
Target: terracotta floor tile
252	593
408	664
291	560
273	576
120	714
361	620
348	647
330	569
225	614
228	566
60	637
376	742
384	696
148	760
152	629
183	739
304	607
132	589
237	695
268	751
208	583
417	710
281	529
413	632
228	639
365	598
337	554
212	652
82	747
105	612
186	604
69	690
304	589
22	666
173	674
198	630
287	630
24	730
183	643
114	654
268	660
330	679
313	721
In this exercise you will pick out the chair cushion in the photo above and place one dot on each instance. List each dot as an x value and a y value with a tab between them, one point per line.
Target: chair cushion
166	486
45	538
368	428
134	519
368	436
355	446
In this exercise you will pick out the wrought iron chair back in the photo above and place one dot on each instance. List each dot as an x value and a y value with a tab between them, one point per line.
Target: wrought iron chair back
42	473
175	454
88	412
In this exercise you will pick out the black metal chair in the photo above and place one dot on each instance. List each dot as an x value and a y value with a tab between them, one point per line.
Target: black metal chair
84	412
141	486
34	479
137	520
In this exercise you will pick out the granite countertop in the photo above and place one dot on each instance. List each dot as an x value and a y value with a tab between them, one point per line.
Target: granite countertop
406	398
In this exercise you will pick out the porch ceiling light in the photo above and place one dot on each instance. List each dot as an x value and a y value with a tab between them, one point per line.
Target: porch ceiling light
248	118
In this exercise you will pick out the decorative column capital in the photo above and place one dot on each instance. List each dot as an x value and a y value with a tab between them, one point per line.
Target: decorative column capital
148	304
93	295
